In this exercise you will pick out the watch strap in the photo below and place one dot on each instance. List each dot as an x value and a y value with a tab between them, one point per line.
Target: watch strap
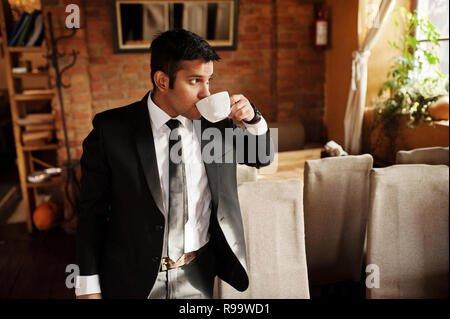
255	118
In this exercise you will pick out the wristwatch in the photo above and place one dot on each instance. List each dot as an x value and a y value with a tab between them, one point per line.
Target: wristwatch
255	118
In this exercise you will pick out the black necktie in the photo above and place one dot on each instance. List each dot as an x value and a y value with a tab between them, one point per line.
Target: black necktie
177	215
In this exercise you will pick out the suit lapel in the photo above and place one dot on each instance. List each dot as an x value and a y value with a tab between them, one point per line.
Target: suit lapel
146	150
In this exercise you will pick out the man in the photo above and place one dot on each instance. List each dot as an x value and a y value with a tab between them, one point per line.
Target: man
134	194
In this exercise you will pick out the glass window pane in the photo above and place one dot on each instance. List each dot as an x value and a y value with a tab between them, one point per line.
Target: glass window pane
442	52
437	12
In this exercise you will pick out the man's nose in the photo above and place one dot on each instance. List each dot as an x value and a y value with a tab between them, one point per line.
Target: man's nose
204	92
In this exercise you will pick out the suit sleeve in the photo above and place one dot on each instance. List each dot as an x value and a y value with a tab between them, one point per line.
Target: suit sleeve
94	201
258	149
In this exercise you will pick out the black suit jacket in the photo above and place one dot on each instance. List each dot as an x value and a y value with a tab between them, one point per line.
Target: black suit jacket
121	221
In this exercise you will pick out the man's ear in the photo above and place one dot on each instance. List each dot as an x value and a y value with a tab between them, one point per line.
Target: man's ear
161	81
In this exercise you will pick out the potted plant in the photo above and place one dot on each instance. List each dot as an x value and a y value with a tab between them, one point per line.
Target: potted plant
409	91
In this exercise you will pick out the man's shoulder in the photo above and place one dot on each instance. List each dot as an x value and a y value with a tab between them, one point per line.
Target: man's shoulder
120	114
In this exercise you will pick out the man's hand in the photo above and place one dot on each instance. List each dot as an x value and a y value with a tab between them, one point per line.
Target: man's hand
240	108
90	296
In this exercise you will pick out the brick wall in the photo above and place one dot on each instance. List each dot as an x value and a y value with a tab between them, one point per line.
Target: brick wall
275	65
300	67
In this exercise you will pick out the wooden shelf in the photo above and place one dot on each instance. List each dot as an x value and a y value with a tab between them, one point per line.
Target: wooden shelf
26	159
54	181
27	49
30	148
29	74
34	97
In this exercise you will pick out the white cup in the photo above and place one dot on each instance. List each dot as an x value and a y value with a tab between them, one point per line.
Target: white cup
215	107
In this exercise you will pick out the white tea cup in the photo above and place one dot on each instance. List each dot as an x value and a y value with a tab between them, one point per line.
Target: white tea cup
215	107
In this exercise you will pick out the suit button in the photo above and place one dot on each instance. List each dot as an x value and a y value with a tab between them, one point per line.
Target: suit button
155	259
159	227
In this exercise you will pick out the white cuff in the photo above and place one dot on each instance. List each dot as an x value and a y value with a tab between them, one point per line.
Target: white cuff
85	285
257	128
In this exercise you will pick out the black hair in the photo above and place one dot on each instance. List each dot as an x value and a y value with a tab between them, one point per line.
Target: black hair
171	47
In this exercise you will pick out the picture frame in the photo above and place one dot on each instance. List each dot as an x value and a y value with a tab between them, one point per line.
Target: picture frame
137	22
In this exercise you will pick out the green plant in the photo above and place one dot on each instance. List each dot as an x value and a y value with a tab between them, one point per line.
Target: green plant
408	66
409	91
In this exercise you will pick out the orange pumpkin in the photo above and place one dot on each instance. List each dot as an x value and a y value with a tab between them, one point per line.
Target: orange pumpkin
46	215
439	109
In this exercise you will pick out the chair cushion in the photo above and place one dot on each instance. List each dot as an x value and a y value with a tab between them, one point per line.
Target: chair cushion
246	174
273	223
336	201
407	235
427	155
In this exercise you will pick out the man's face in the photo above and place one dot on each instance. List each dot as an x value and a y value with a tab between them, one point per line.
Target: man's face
191	85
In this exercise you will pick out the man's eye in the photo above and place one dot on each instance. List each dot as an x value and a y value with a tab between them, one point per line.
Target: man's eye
193	81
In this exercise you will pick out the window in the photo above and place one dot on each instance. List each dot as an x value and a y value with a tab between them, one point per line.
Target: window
437	12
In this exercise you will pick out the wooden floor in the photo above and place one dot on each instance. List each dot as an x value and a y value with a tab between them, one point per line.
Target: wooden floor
33	266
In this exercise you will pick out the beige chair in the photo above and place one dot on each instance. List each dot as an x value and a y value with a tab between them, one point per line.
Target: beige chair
273	223
427	155
407	236
246	173
289	136
335	199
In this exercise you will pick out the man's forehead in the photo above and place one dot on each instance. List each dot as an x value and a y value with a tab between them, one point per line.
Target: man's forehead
197	67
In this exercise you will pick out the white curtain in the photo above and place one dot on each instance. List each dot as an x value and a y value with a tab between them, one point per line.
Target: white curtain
223	21
195	17
155	19
357	95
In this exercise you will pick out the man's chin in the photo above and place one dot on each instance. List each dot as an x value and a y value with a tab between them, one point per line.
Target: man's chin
196	115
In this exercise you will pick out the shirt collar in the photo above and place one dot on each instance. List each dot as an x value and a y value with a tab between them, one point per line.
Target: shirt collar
159	117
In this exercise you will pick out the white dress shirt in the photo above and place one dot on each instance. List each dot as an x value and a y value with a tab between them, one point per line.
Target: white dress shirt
199	197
